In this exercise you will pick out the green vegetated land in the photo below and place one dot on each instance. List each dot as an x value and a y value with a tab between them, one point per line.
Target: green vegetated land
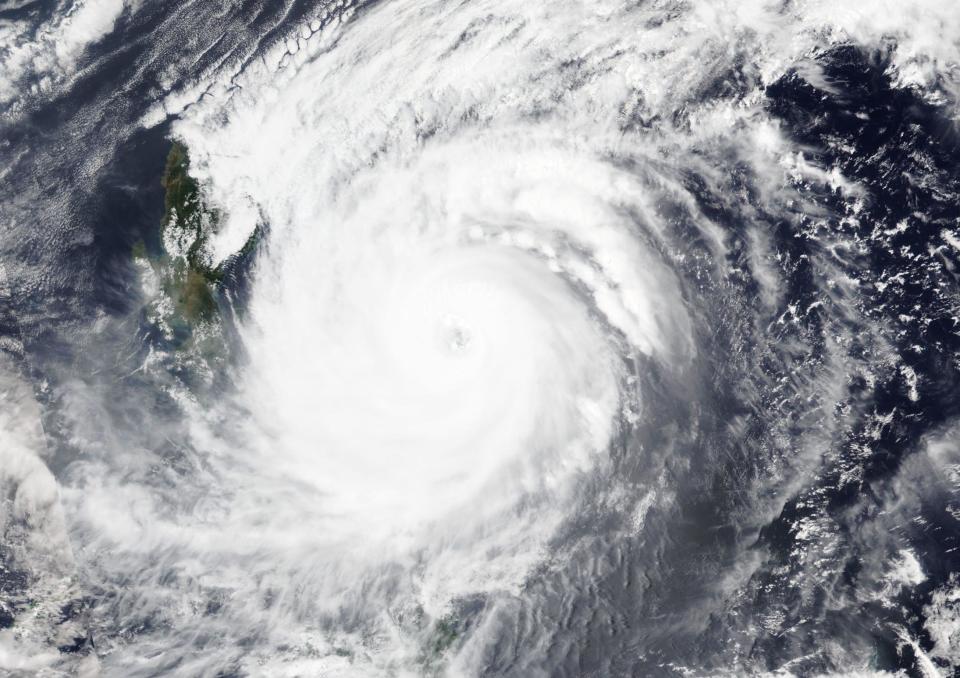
442	636
180	258
183	283
188	224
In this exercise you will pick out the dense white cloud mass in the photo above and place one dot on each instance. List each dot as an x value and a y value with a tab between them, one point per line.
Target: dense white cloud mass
442	326
468	249
438	334
33	531
445	340
465	262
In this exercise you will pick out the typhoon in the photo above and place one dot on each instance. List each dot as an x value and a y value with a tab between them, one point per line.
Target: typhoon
463	339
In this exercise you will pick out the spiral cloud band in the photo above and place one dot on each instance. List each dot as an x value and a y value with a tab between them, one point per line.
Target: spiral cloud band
446	338
463	275
441	319
476	338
